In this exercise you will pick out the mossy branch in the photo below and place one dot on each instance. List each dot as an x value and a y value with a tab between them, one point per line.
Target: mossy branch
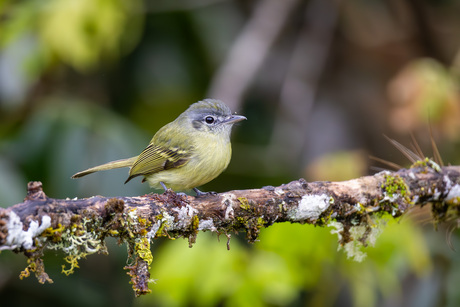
78	227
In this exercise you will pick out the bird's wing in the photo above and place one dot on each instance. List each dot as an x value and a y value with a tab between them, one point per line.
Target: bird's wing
157	158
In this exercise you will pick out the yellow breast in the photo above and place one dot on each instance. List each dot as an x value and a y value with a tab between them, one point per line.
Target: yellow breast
210	158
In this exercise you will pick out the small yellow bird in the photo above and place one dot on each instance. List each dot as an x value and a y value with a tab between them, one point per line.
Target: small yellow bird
186	153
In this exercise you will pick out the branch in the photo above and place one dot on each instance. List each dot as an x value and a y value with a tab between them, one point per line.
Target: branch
79	226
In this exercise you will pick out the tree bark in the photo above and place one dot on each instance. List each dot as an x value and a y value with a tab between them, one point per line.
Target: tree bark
79	226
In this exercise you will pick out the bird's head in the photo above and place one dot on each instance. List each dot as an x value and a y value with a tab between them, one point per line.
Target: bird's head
211	116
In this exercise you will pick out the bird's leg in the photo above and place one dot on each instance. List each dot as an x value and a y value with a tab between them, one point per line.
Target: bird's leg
166	190
164	186
199	193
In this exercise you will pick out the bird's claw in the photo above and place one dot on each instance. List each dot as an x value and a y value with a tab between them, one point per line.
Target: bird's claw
199	193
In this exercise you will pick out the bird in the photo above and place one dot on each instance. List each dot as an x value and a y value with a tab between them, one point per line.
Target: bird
186	153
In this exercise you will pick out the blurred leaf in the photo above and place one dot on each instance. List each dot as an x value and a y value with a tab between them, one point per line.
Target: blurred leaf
81	33
20	18
288	260
425	92
337	166
205	274
311	253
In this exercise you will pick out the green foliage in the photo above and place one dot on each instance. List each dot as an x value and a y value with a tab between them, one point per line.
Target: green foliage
80	33
289	260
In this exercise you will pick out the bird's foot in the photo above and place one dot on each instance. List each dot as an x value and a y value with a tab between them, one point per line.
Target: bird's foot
167	190
199	193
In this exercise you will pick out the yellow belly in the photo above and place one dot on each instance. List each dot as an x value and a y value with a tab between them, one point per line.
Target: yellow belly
205	165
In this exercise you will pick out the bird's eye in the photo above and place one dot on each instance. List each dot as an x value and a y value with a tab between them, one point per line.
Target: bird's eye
209	119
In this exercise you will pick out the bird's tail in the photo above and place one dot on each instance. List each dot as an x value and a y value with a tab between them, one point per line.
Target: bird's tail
110	165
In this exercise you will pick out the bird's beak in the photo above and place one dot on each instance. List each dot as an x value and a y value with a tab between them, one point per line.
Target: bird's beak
234	119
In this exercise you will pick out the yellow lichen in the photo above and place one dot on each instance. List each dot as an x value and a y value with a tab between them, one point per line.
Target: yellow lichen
73	261
142	248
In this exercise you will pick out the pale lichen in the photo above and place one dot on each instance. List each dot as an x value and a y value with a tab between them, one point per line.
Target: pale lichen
78	241
207	225
185	216
310	207
359	237
18	237
454	193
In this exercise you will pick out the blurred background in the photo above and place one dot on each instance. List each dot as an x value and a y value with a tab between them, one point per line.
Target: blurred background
83	82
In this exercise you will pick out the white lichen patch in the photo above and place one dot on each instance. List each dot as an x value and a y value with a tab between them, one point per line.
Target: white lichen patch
384	172
447	182
338	228
76	241
132	215
186	211
72	244
17	237
354	248
167	220
153	231
390	198
436	194
310	207
229	212
228	199
454	193
279	191
207	225
185	214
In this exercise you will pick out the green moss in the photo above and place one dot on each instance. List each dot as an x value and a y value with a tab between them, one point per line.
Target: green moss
241	220
260	222
397	196
395	185
244	203
424	163
445	211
